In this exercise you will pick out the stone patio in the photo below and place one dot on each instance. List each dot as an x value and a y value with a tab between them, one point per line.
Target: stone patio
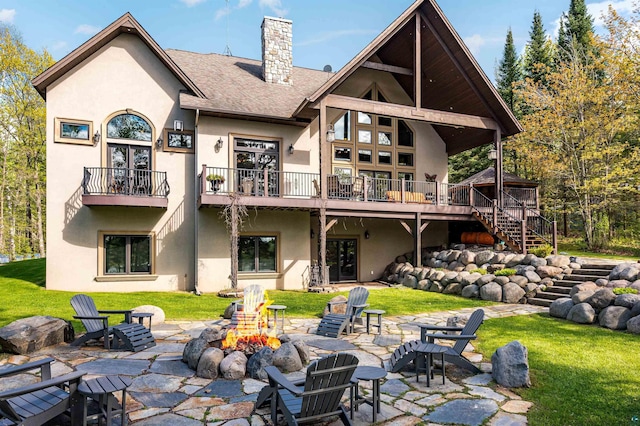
166	392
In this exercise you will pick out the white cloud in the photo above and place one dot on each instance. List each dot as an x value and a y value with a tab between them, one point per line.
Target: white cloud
191	3
474	43
58	45
243	3
598	10
221	13
86	29
275	6
325	37
7	15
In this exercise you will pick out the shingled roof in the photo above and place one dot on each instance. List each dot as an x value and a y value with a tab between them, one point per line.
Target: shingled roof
235	85
488	177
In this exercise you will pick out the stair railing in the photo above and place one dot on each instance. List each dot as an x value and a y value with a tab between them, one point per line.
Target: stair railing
499	219
535	223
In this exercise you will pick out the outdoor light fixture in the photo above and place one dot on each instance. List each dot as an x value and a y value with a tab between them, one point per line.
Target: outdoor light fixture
366	234
159	142
291	149
331	134
96	137
218	145
493	154
178	125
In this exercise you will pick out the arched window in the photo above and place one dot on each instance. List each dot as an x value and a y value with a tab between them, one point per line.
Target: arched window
129	126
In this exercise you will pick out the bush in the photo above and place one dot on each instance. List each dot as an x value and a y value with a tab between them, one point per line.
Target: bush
505	272
481	271
625	290
542	251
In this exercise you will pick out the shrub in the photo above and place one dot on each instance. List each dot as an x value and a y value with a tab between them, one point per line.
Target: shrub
625	290
481	271
542	251
505	272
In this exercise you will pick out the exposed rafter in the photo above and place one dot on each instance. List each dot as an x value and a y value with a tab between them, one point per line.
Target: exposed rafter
387	68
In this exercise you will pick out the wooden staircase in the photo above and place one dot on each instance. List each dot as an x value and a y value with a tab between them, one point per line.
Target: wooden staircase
562	288
520	228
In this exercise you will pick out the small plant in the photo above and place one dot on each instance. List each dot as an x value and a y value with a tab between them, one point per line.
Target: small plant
625	290
215	178
505	272
480	271
542	251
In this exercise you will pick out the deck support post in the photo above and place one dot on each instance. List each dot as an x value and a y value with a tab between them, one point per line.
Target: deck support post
523	236
325	163
555	237
417	241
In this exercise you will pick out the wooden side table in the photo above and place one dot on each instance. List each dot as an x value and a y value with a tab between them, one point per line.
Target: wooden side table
102	389
141	316
275	309
377	312
425	352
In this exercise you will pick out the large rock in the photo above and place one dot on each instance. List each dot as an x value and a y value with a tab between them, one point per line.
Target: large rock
158	314
625	271
614	317
212	334
582	313
501	280
209	363
467	257
193	351
229	310
287	358
560	308
528	258
492	292
483	257
582	296
617	283
234	366
601	299
452	288
258	362
532	276
303	351
627	300
538	261
471	291
510	365
633	325
548	271
514	261
635	310
512	293
337	308
519	279
31	334
410	281
436	287
558	260
587	285
485	279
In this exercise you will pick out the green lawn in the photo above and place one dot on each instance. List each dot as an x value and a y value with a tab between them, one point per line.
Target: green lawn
576	247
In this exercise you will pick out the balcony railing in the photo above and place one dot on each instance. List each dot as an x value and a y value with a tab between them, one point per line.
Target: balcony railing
261	183
125	182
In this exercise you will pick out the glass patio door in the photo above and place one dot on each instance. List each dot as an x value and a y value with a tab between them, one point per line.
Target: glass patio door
252	158
342	259
129	169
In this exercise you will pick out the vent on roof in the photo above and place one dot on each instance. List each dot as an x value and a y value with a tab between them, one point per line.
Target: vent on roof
327	68
277	56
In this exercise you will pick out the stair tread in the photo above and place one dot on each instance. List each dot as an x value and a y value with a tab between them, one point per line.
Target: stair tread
540	302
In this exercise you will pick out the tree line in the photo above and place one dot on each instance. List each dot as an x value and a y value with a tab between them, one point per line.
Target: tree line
577	98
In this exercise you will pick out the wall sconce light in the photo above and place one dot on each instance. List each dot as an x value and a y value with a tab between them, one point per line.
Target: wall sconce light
178	125
366	234
96	137
218	145
159	142
291	149
493	155
312	234
331	133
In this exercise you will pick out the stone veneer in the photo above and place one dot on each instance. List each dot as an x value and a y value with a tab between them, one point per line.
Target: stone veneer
277	55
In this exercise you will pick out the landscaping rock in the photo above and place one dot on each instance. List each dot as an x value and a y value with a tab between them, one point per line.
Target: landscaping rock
339	307
467	257
158	314
627	300
257	363
582	313
212	334
192	352
303	351
228	312
602	282
511	293
501	280
560	308
618	284
410	281
538	261
209	363
453	288
614	317
471	291
470	279
510	365
636	285
30	334
633	325
286	358
532	276
234	366
548	271
635	310
485	279
582	296
558	260
588	285
601	299
483	257
424	285
515	260
626	271
492	292
436	287
519	279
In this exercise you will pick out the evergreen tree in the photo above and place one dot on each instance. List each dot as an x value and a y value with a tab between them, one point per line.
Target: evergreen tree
508	72
576	29
538	57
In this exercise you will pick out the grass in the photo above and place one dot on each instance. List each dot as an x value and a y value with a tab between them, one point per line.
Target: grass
576	247
581	375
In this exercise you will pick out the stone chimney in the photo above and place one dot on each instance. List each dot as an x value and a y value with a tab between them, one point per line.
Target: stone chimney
277	56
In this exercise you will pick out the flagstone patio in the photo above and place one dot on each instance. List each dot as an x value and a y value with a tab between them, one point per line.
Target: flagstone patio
166	392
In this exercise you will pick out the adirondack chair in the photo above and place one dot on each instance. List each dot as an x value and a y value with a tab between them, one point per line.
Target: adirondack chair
133	337
36	404
406	352
321	394
333	324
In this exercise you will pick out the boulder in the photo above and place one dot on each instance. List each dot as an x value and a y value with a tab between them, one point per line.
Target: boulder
636	285
303	351
614	317
410	281
602	282
436	287
471	291
453	288
30	334
501	280
530	289
508	258
257	363
510	365
626	271
538	261
443	255
548	271
633	325
492	292
467	257
234	366
511	292
635	311
193	350
437	276
483	257
485	279
627	300
588	285
449	277
424	273
514	261
287	358
528	258
532	276
617	283
519	279
582	296
158	314
339	307
582	313
558	260
453	255
212	334
209	363
601	299
424	285
575	265
560	308
228	311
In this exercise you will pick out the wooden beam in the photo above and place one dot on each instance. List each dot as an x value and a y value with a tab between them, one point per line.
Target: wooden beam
410	113
424	225
407	227
331	223
387	68
417	81
417	241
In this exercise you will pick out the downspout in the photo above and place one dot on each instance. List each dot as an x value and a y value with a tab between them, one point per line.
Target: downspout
196	215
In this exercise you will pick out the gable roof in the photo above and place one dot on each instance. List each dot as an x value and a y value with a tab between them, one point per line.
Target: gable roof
125	24
488	177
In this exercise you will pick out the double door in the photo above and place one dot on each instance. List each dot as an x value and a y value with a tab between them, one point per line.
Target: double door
129	169
342	259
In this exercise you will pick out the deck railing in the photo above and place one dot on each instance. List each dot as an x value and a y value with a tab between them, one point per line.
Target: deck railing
128	182
535	222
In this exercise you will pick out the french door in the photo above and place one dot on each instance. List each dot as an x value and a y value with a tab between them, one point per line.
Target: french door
252	158
129	169
342	259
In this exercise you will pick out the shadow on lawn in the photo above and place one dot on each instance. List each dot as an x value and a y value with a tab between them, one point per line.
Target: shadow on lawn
33	271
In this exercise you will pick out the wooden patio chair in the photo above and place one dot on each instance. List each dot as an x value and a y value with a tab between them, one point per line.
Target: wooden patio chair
320	395
406	352
38	403
333	324
133	337
357	190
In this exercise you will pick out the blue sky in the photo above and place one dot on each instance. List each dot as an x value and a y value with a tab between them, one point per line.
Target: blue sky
324	31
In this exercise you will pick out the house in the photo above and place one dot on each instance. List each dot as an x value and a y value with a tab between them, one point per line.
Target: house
155	156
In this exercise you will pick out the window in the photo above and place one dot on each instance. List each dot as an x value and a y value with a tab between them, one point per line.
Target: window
405	159
73	131
127	254
342	154
384	138
129	126
405	134
384	157
364	136
364	155
257	254
178	140
342	127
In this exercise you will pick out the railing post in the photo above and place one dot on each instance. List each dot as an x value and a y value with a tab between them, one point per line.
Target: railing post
266	182
437	200
471	196
402	195
524	213
365	187
523	233
203	179
555	237
495	214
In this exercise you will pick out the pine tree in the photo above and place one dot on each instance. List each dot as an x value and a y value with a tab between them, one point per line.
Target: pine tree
509	72
576	29
538	57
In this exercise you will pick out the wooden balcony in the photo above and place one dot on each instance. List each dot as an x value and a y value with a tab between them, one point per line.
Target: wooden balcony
345	195
106	186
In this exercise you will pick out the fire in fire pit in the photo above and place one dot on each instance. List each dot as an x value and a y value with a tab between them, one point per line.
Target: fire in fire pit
248	331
